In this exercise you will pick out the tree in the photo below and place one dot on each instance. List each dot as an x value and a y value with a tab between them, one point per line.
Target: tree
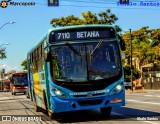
127	72
87	18
2	53
24	64
144	45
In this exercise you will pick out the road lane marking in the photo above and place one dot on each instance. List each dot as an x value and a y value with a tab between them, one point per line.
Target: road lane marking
130	100
151	96
115	113
141	95
133	118
150	122
147	95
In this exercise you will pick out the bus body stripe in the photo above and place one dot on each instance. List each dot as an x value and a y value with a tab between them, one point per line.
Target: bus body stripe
36	84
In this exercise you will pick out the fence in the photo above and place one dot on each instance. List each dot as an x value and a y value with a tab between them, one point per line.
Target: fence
151	79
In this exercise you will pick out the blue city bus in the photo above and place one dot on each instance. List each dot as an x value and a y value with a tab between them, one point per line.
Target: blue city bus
77	68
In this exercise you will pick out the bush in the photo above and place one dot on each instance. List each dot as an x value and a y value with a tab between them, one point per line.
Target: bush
127	73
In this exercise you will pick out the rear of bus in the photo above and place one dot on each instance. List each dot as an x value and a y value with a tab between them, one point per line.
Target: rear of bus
19	83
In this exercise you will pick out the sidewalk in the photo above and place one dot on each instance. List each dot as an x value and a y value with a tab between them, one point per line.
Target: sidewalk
136	91
141	91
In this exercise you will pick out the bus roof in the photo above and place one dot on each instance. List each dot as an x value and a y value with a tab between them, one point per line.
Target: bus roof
19	73
80	26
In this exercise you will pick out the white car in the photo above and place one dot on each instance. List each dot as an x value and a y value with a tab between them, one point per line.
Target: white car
127	84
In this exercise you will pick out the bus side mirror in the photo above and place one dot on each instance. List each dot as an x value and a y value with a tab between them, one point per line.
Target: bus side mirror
122	43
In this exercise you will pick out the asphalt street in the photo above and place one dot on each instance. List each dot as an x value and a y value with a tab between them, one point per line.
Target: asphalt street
141	108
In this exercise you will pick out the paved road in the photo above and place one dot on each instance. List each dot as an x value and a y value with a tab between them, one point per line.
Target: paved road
138	106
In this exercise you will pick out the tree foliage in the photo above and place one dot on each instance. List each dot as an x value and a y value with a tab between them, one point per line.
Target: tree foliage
2	53
105	17
24	64
145	45
127	72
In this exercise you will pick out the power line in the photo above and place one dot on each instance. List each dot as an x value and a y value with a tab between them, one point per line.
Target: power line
111	7
103	1
117	7
80	1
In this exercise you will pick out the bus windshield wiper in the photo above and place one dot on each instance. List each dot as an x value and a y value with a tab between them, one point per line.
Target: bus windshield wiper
98	45
73	49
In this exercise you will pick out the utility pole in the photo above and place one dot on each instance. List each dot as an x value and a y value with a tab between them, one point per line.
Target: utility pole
131	58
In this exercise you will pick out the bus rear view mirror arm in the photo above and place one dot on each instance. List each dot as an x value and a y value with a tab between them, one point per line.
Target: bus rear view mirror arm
48	56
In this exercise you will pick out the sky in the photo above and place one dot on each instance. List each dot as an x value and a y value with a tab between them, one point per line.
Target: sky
32	22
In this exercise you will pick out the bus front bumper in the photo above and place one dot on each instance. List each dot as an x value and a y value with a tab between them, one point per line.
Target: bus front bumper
64	105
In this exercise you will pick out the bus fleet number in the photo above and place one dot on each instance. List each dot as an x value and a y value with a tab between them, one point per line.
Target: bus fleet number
65	35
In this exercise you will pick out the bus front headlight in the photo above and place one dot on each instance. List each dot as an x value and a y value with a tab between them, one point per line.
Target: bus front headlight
58	92
119	87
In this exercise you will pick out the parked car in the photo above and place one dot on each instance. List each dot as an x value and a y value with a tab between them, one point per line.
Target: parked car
127	83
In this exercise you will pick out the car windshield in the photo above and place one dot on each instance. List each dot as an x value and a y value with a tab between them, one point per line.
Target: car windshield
20	80
84	62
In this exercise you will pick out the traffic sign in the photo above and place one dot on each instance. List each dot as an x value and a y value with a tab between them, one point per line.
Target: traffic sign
53	2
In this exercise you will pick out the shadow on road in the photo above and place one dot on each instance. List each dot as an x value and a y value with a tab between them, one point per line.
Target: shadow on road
124	114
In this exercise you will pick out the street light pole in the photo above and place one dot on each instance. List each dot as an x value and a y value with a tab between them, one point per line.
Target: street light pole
4	44
6	24
131	58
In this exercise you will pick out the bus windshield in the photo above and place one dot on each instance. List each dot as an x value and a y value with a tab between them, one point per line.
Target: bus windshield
20	80
85	61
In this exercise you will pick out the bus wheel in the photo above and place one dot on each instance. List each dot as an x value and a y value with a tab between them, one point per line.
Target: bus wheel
14	93
106	112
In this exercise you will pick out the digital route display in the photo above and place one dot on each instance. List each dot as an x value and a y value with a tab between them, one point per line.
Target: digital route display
81	34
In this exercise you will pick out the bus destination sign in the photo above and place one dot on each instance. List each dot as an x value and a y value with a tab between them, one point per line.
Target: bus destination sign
82	34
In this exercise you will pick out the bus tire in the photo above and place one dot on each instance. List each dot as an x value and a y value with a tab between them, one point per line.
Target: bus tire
106	112
45	103
14	93
47	110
